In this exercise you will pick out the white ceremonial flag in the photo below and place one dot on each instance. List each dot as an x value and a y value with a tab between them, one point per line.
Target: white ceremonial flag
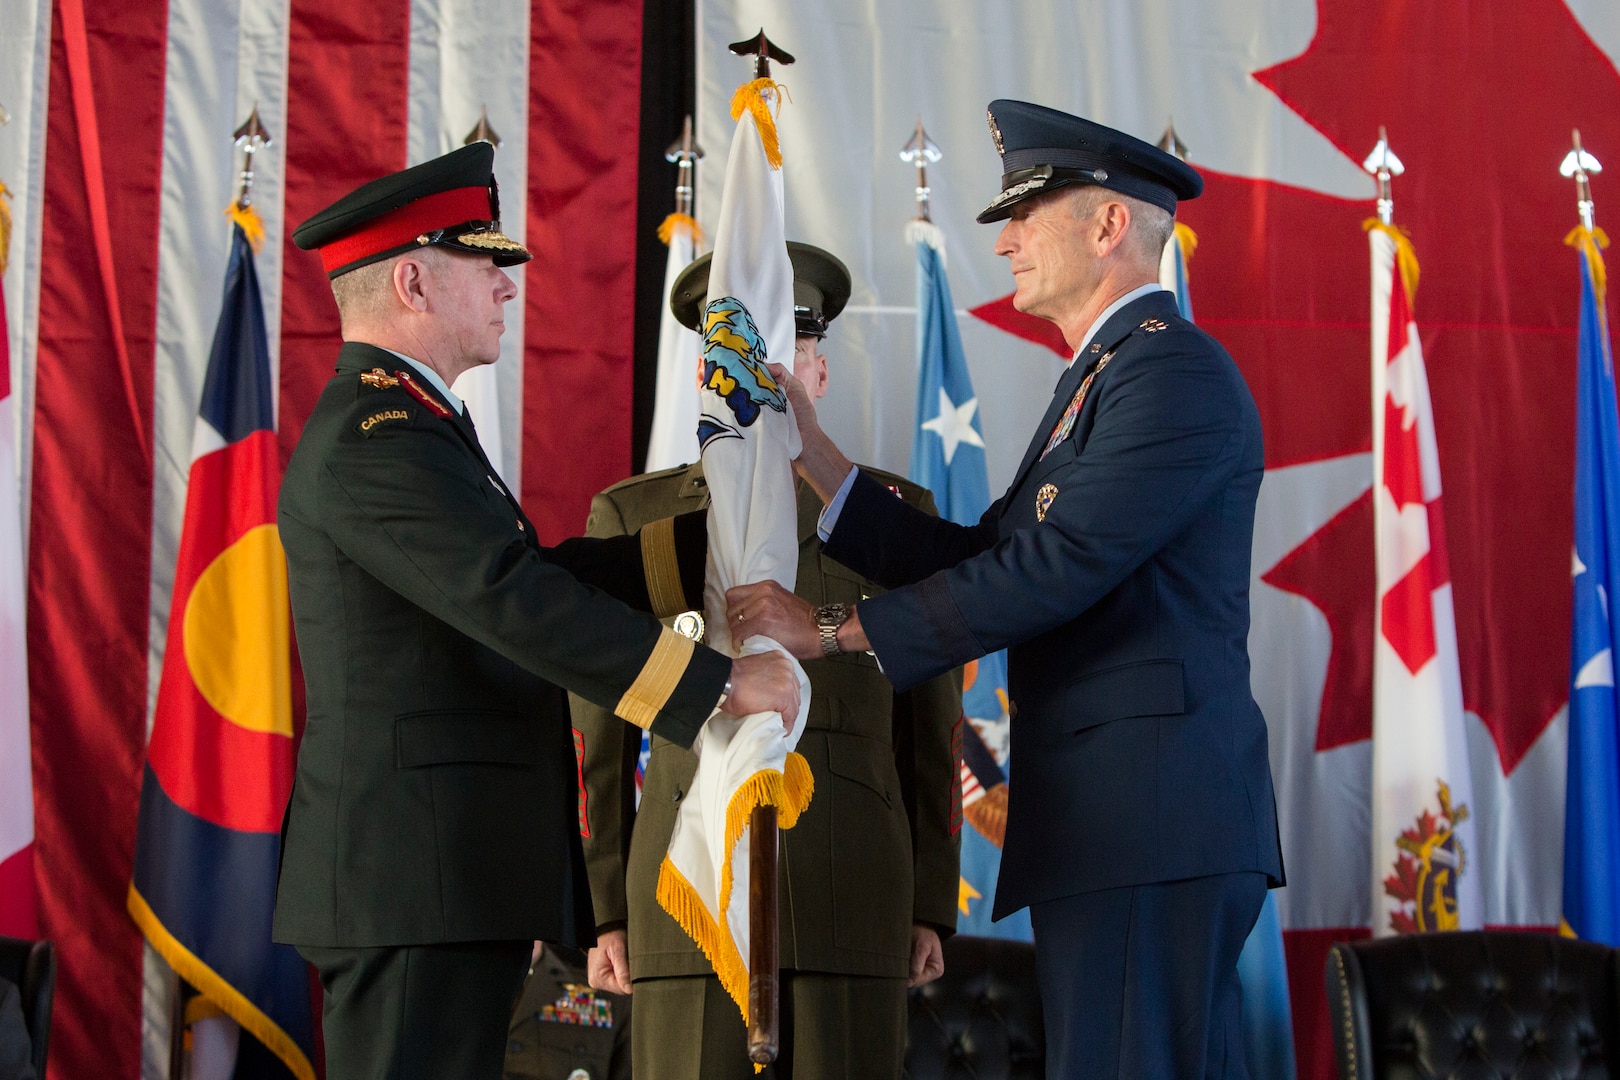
17	915
675	408
748	442
1422	826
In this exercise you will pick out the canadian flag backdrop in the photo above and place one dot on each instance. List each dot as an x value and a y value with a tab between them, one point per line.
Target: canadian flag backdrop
119	159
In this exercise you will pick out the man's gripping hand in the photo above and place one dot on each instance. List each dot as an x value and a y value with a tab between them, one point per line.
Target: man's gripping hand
764	607
765	682
607	964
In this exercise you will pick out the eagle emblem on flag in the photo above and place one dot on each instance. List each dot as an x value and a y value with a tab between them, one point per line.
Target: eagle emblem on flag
734	357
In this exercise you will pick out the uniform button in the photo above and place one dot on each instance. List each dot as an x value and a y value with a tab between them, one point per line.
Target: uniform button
520	526
677	796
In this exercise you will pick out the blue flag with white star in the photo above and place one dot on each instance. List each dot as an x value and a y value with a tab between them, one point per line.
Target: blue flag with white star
1592	792
1268	1021
947	457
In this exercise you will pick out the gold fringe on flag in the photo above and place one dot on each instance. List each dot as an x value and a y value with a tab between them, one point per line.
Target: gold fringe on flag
1591	243
252	225
5	227
666	229
1405	254
751	96
1188	241
789	791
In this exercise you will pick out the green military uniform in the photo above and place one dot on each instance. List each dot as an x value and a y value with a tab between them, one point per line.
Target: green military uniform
564	1030
875	852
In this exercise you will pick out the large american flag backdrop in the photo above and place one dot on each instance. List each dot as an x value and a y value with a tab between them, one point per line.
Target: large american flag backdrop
119	158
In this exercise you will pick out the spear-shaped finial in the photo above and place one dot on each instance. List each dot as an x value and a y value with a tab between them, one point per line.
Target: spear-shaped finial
482	132
764	50
684	152
1579	164
1383	164
1171	143
921	152
251	137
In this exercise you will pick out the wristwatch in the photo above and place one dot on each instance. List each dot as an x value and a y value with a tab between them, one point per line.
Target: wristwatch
829	617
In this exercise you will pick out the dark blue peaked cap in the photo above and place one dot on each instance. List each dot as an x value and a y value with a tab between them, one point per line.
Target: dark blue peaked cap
1042	150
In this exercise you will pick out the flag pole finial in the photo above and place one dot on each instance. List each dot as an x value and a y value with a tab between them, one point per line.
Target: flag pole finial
1383	164
764	50
481	131
1581	165
251	137
1171	143
684	152
921	151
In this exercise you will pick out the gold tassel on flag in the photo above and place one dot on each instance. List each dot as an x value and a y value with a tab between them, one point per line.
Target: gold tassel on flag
1405	254
752	96
5	227
1591	242
1188	241
252	226
678	220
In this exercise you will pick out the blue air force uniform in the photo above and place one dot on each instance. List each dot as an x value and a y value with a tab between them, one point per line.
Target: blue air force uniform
1142	827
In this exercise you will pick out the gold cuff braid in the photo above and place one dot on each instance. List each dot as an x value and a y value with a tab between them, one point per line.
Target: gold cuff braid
657	680
662	570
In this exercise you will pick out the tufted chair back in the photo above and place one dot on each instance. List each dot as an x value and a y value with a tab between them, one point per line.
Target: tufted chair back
1480	1003
981	1020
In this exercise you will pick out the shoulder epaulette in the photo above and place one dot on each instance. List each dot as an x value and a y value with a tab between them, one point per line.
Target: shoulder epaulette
433	404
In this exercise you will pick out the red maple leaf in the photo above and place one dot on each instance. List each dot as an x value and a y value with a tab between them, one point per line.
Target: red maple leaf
1481	123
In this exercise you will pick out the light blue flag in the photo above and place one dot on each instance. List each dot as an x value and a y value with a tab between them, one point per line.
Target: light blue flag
947	457
1592	793
1268	1022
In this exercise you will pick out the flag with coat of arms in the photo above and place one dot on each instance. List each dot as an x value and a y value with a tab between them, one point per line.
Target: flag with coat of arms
748	441
219	766
1423	834
1592	795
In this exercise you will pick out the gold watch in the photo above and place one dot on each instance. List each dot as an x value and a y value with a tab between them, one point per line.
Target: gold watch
829	617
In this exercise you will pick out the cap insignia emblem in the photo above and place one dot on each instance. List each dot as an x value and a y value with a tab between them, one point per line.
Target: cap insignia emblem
1044	499
378	379
1153	326
995	132
1023	188
491	240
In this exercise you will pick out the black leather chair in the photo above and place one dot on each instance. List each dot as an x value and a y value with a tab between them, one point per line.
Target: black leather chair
1478	1003
981	1020
32	966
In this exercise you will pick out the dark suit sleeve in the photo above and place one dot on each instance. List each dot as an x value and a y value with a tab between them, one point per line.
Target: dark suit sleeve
658	568
402	503
610	749
1169	433
895	543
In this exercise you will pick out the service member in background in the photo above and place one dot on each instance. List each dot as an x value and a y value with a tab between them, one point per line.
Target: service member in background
1142	833
432	835
869	880
562	1028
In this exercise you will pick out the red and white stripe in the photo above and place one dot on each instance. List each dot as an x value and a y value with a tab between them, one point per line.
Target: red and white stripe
1419	734
113	291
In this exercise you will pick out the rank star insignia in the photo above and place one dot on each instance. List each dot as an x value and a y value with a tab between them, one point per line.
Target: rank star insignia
1044	499
378	379
1153	326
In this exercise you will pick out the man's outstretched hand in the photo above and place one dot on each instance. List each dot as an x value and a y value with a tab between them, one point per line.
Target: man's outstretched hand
765	682
766	608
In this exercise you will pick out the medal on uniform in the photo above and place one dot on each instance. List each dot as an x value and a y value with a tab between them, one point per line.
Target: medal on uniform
1044	499
1065	423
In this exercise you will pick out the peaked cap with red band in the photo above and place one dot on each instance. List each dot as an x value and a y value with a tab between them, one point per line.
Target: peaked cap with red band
450	202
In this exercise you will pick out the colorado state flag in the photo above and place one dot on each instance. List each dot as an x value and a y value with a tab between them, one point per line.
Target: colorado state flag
220	763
